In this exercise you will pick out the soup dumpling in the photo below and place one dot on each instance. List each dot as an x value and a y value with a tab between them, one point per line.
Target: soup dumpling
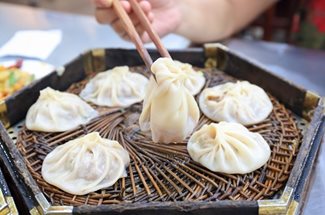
228	148
240	102
169	111
117	87
56	111
85	164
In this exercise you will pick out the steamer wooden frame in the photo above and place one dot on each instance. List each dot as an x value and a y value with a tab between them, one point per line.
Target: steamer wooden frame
304	103
7	204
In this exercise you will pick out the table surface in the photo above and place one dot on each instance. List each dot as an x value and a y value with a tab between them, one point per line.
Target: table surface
81	33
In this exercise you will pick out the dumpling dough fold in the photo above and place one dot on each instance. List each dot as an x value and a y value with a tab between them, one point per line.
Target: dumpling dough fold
56	111
240	102
169	109
85	164
117	87
228	148
194	80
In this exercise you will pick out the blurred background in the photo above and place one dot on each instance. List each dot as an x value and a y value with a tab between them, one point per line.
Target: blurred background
72	6
298	22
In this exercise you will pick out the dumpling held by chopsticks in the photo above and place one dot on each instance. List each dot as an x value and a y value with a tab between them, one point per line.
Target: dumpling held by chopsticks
169	110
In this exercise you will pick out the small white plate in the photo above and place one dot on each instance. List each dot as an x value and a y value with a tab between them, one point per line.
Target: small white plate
38	68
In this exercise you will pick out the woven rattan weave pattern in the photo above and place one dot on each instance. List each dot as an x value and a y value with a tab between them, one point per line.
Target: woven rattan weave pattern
165	172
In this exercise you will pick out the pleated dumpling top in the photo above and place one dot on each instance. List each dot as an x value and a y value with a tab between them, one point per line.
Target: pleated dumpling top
240	102
85	164
117	87
194	80
228	148
56	111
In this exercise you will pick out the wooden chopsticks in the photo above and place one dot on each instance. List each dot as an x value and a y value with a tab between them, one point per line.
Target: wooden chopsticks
147	26
133	34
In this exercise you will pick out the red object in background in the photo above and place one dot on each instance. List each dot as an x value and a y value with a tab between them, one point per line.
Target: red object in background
317	14
295	23
18	64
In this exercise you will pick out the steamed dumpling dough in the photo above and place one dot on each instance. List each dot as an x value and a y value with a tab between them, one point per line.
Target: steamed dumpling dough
169	109
56	111
86	164
194	80
117	87
240	102
228	148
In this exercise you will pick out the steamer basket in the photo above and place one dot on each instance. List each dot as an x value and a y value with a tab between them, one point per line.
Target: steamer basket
7	204
278	188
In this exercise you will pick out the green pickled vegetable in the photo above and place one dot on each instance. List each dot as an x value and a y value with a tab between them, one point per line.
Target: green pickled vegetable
12	79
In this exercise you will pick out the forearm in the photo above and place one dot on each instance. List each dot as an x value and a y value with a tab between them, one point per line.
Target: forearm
210	20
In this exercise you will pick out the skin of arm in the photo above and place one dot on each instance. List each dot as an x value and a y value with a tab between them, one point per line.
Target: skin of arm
211	20
198	20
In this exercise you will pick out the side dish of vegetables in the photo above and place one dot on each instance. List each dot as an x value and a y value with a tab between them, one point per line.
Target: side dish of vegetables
12	79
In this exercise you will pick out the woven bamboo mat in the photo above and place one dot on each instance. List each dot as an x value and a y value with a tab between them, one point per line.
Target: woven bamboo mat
165	172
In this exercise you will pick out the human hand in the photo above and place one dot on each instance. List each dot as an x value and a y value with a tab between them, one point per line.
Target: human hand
164	15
